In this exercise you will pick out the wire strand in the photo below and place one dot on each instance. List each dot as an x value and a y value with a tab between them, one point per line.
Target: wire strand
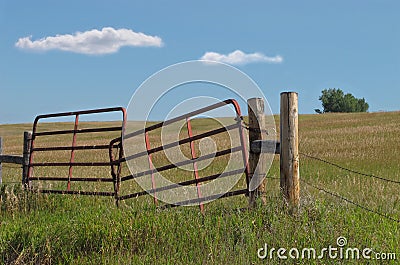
351	202
349	170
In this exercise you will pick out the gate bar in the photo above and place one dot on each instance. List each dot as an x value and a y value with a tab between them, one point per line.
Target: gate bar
151	166
90	130
177	143
182	163
78	192
187	115
183	183
77	147
72	179
193	154
72	152
208	198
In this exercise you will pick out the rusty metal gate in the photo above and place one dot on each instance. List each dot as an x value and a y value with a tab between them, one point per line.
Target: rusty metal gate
49	145
116	159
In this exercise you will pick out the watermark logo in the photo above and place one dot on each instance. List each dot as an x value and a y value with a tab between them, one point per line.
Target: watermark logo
341	251
173	92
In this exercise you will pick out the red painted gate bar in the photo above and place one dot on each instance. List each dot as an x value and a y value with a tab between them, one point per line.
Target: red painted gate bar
193	154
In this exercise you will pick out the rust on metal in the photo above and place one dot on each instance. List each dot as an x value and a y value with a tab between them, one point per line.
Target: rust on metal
193	154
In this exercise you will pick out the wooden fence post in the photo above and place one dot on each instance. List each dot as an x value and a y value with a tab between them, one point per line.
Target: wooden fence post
25	158
1	167
289	158
257	161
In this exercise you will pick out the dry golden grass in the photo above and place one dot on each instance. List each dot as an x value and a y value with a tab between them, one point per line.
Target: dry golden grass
72	229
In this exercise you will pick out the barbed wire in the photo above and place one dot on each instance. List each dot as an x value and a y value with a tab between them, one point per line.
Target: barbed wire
347	169
344	199
351	202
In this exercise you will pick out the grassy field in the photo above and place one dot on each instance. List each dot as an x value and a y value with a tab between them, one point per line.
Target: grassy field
65	229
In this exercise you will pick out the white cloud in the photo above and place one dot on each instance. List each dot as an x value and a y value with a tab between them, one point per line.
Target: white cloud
107	40
240	58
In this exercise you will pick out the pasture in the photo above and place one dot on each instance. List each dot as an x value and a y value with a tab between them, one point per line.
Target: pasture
69	229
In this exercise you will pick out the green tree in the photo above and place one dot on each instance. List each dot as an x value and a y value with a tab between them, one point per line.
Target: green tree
334	100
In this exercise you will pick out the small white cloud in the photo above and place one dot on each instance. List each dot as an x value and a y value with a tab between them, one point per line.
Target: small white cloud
105	41
240	58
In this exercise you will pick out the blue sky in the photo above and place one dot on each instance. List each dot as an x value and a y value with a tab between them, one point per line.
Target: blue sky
303	46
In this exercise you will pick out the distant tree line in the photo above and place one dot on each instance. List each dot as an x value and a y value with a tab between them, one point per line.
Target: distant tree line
334	100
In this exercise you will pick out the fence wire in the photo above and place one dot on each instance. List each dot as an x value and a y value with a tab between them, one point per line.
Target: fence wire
344	198
349	170
351	202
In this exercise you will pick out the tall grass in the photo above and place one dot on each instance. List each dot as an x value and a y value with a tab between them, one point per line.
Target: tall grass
65	229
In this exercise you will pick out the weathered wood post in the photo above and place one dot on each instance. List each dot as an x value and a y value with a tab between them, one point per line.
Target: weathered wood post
289	159
25	158
1	167
257	161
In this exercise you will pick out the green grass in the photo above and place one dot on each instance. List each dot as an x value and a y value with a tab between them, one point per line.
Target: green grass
64	229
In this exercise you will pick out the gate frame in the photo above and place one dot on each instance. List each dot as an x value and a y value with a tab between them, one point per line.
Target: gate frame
27	180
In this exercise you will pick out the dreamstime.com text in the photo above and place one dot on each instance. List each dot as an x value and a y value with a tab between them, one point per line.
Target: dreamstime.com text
340	251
